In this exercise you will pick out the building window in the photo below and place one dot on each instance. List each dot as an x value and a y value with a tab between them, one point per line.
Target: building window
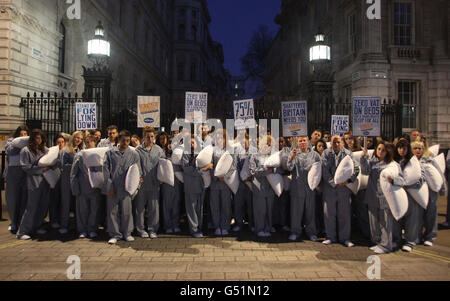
181	32
348	94
194	33
403	23
352	33
180	70
407	94
62	48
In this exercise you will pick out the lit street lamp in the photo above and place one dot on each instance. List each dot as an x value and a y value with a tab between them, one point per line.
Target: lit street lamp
99	47
320	51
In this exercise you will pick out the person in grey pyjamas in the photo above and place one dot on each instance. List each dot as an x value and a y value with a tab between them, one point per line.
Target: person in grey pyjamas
281	204
119	208
37	186
148	195
16	192
337	208
380	215
194	191
55	193
303	199
87	198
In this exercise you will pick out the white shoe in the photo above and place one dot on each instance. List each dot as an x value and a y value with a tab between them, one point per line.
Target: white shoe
112	241
169	231
236	229
273	230
348	244
218	232
292	237
224	232
407	248
373	247
445	224
41	231
93	234
55	226
9	228
428	243
380	250
261	234
83	235
153	235
63	231
198	235
327	242
129	238
177	230
144	235
25	237
286	228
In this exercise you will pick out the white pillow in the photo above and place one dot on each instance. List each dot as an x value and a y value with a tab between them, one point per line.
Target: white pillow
233	182
177	155
357	155
20	142
132	179
52	176
49	159
164	173
206	175
412	171
245	172
434	149
363	181
96	179
94	157
354	186
273	160
204	157
344	171
395	196
439	163
179	176
420	195
315	175
433	177
328	144
287	182
276	182
223	165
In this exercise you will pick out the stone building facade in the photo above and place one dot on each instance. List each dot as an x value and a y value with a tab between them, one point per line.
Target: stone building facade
43	49
404	55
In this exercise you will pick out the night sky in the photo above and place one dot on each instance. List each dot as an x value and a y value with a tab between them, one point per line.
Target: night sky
233	23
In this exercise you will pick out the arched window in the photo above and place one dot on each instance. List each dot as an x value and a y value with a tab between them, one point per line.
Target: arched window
181	32
62	48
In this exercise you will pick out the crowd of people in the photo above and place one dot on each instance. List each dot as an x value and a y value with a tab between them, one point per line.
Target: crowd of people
329	211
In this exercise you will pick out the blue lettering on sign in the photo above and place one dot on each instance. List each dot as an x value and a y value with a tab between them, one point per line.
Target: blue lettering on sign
149	120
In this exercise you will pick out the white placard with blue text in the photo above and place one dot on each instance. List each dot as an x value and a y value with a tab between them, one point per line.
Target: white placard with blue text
86	114
149	111
366	116
196	107
294	118
244	114
340	124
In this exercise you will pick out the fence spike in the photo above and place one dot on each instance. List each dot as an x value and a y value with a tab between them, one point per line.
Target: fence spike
76	94
34	95
28	94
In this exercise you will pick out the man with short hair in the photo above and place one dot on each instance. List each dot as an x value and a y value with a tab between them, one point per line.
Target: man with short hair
115	168
414	135
315	136
326	136
112	140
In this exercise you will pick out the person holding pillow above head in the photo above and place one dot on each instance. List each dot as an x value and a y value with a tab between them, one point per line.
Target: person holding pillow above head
116	165
87	198
37	186
16	192
148	195
302	197
380	215
194	190
337	208
430	224
75	145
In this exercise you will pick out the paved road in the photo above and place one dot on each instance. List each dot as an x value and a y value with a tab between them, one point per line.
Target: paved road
180	257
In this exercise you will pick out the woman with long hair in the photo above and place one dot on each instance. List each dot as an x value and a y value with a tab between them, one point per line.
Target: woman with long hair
37	204
74	146
380	215
16	192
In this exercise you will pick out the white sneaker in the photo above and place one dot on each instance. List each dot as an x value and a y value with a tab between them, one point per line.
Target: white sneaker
153	235
380	250
407	248
41	231
445	224
63	231
327	242
93	234
198	235
348	244
225	232
286	228
292	237
218	232
177	230
236	229
55	226
144	235
9	228
25	237
373	247
261	234
428	243
273	230
129	238
83	235
112	241
169	231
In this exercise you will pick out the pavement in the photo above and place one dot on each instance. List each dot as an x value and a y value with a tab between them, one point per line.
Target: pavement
238	257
